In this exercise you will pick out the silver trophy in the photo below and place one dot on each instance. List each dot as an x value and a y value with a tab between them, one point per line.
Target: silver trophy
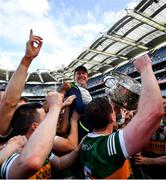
123	90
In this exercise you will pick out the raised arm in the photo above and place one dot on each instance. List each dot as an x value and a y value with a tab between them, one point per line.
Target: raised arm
40	143
15	86
64	124
150	110
68	101
68	144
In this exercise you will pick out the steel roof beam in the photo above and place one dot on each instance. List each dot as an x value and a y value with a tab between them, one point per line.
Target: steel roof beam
89	61
98	64
125	40
41	78
56	79
7	76
27	77
107	54
147	20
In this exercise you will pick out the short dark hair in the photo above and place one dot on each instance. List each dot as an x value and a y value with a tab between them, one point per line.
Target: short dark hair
24	116
98	111
80	68
23	98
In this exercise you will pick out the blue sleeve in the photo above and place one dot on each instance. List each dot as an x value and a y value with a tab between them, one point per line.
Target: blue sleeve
78	104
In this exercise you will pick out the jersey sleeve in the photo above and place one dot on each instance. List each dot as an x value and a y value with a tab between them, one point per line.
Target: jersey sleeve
6	165
116	144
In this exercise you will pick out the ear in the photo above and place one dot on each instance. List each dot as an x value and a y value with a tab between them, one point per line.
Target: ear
112	117
35	125
74	77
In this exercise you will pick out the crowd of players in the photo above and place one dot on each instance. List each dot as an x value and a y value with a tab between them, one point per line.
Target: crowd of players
72	135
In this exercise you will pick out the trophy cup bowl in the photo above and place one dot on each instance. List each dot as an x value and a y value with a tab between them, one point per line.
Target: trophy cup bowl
123	90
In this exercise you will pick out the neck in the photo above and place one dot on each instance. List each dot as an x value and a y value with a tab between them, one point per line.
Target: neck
29	133
107	130
81	85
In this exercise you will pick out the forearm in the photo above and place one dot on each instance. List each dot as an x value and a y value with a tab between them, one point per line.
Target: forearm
149	112
65	161
3	155
15	87
68	144
150	105
68	159
11	97
73	136
17	82
6	152
159	161
150	93
64	105
65	121
41	141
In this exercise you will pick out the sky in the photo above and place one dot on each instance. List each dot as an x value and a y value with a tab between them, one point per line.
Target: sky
66	26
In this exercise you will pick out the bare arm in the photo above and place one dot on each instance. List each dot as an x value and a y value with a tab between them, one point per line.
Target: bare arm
141	160
68	101
150	109
15	86
71	142
65	121
65	161
14	144
40	142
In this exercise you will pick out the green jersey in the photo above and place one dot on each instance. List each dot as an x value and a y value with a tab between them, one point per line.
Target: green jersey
105	156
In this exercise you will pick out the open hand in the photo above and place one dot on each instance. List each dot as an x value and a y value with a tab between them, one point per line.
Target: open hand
69	101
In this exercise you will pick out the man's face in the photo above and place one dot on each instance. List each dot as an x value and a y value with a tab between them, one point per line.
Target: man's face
81	77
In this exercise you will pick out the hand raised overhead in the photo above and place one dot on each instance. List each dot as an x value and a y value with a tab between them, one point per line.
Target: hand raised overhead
33	46
54	99
142	62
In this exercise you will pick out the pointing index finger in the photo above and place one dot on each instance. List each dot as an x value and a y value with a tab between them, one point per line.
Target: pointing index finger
31	33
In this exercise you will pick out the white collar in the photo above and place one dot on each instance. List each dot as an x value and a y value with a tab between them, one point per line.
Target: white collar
93	134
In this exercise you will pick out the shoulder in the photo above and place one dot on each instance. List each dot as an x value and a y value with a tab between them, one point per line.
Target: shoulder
114	143
5	138
6	165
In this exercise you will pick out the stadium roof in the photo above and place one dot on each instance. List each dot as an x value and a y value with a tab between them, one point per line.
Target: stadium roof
140	30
